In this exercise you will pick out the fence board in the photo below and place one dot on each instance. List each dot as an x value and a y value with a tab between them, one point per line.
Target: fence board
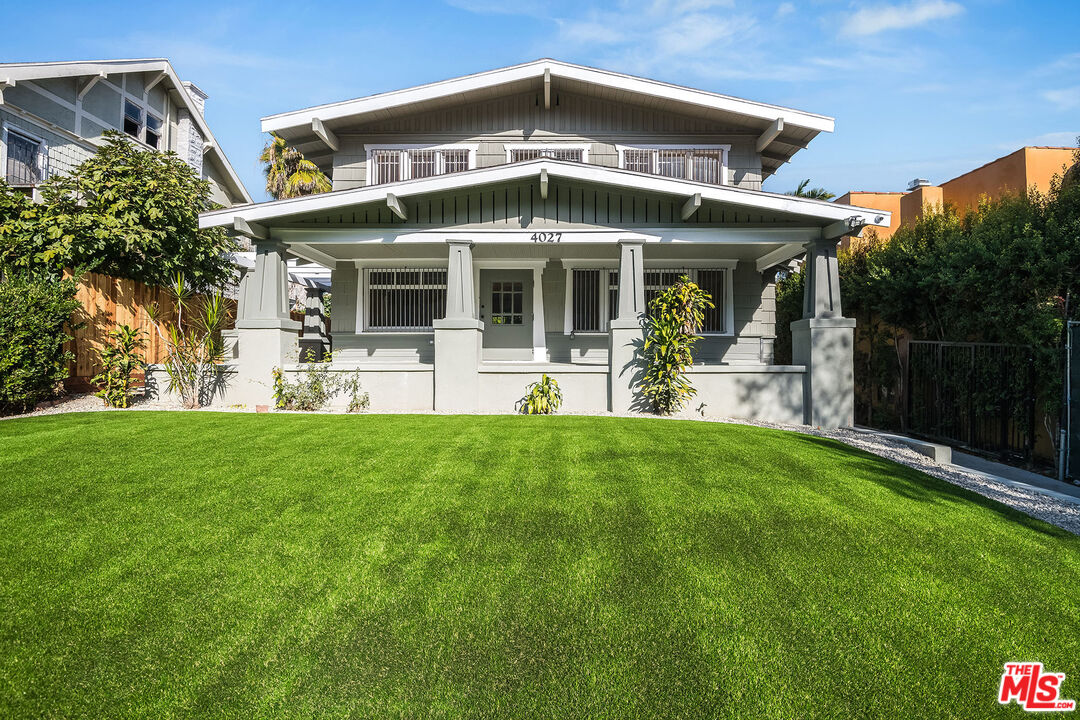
107	302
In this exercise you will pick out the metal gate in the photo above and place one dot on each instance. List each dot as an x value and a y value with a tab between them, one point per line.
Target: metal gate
1072	395
979	396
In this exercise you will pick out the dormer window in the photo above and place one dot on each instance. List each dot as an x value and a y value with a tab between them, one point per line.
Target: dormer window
704	163
388	164
518	152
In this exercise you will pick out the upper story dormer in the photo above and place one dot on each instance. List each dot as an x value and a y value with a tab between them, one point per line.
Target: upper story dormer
548	109
52	116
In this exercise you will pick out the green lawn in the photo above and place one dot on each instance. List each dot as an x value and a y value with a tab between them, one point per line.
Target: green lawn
225	565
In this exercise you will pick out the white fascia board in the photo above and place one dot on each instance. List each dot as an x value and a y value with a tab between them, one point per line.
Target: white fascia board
537	70
820	210
33	71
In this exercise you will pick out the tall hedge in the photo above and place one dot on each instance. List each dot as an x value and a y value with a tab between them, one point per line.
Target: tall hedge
34	316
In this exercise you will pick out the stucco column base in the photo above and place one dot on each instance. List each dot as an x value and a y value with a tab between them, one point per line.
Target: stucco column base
626	339
261	345
457	364
825	347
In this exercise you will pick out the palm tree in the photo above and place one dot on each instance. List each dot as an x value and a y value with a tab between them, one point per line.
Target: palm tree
288	173
814	193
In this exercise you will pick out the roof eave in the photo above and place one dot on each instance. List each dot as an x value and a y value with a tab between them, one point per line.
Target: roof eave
359	107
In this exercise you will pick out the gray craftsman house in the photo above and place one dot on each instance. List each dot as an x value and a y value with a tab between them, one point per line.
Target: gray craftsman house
486	229
52	115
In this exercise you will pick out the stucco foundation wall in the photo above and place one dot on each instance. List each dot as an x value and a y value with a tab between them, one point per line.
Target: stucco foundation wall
583	389
772	393
388	388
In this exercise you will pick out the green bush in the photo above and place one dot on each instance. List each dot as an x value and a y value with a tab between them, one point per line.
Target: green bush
34	315
317	386
118	362
671	328
541	398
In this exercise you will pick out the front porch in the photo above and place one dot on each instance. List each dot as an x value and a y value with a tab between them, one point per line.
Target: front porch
453	294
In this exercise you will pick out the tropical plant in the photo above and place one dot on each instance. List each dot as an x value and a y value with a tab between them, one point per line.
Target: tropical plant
805	191
194	350
316	385
671	328
118	361
288	173
542	397
35	315
125	212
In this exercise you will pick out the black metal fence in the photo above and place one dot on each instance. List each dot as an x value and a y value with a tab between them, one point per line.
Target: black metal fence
976	395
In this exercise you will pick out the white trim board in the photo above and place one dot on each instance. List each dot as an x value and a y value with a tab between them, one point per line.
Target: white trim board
365	107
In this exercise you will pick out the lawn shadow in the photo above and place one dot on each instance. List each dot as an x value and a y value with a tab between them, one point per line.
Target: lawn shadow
913	484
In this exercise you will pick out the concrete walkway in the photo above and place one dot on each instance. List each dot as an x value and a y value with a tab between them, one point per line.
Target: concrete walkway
1017	477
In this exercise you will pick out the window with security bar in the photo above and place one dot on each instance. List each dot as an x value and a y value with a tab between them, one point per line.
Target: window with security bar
698	164
595	295
25	160
405	299
571	154
392	165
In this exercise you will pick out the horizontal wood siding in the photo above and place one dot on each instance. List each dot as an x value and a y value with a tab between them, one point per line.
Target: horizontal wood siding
599	123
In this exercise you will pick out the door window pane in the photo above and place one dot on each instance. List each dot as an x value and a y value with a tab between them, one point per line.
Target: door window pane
507	300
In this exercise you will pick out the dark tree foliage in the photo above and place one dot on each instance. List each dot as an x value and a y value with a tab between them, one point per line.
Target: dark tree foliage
126	212
1006	272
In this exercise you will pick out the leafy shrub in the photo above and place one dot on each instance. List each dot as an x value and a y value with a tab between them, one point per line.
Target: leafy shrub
317	385
670	335
193	345
541	398
118	362
33	361
126	212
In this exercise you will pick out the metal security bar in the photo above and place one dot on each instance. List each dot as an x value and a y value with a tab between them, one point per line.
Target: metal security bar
26	160
394	165
587	298
595	303
976	395
571	154
405	299
698	164
711	280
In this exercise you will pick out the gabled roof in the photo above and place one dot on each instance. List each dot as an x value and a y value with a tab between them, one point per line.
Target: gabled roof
815	212
797	127
12	73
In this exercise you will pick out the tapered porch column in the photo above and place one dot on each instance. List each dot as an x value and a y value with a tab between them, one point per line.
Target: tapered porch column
316	341
458	337
266	337
823	341
539	329
626	336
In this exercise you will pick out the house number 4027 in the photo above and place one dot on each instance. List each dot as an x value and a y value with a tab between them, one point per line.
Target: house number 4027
546	237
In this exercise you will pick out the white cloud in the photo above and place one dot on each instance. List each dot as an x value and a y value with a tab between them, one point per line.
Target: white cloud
879	18
785	9
1064	98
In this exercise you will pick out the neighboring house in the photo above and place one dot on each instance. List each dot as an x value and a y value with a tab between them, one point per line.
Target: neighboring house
1024	169
52	115
486	229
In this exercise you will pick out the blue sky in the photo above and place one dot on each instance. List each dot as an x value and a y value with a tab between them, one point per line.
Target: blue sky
927	88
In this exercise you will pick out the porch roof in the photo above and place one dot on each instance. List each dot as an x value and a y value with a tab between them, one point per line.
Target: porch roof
835	219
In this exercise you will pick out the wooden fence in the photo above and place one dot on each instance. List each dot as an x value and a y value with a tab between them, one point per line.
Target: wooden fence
107	302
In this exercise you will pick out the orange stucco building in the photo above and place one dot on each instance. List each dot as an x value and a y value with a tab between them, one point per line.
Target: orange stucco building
1028	167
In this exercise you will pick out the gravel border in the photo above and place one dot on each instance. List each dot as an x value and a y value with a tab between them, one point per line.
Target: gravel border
1057	511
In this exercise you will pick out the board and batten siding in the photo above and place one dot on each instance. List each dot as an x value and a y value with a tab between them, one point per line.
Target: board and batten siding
576	120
